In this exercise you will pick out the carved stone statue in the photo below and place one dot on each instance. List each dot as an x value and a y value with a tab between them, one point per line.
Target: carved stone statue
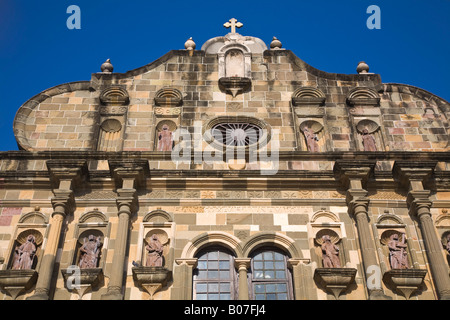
398	256
154	252
165	139
311	140
368	141
330	253
90	252
25	255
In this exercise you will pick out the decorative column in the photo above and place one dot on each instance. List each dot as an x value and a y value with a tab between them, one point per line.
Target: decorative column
413	175
242	265
354	174
128	175
64	174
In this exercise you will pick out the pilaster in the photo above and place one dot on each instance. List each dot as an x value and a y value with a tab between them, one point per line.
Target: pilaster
414	176
64	176
128	175
354	175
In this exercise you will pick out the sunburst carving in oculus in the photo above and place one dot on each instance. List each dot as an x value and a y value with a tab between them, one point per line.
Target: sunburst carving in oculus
236	134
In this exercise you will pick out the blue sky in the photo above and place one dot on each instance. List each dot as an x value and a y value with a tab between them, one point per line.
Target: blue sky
38	51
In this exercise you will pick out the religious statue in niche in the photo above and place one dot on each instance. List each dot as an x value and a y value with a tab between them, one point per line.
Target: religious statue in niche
154	249
165	139
311	140
330	253
368	141
25	255
398	257
90	252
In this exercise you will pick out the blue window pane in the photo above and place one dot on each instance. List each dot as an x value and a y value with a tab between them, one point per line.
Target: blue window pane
225	296
202	275
259	288
225	287
281	287
268	265
259	275
213	264
258	265
224	275
258	257
224	265
223	256
280	275
268	255
270	287
269	275
213	297
278	256
260	297
279	265
201	287
201	264
271	296
282	296
214	255
213	275
202	297
213	287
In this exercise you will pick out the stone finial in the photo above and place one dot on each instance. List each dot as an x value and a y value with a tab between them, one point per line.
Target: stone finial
275	44
362	67
107	67
189	44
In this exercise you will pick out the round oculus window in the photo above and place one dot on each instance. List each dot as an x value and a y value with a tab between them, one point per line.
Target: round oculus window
236	134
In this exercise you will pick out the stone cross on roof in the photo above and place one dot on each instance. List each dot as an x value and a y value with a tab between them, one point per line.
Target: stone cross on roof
233	23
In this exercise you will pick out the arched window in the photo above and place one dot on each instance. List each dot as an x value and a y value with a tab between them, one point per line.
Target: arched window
215	275
271	279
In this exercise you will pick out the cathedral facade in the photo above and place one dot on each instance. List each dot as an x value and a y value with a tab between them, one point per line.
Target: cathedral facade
234	171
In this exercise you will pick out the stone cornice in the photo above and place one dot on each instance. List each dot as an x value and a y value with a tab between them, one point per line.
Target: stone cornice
283	155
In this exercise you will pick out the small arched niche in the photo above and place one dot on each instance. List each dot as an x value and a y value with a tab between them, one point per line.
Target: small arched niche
92	224
313	136
89	249
326	223
156	231
164	135
234	63
110	137
395	249
369	135
26	250
156	248
329	249
234	68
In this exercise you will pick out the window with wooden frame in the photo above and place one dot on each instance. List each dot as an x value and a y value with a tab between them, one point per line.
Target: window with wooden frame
270	277
215	275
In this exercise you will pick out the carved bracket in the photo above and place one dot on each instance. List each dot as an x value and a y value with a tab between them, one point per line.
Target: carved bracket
87	279
14	282
405	281
335	280
151	279
235	85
